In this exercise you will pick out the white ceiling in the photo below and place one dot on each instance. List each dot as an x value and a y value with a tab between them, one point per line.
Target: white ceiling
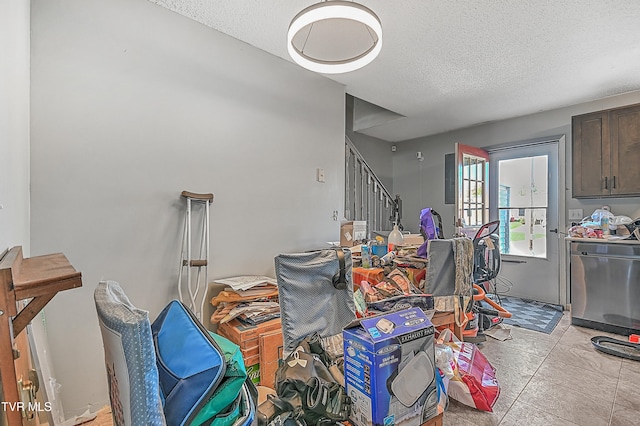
449	64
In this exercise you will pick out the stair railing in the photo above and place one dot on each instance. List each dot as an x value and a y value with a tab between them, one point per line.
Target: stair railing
366	197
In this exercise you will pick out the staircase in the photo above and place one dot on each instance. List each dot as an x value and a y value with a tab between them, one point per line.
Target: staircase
366	198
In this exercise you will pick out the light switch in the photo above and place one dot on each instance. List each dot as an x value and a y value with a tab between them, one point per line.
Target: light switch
320	175
575	214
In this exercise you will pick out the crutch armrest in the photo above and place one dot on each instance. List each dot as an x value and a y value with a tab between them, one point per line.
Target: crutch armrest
200	197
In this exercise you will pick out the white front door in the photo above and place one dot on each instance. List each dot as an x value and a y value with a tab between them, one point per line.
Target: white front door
524	197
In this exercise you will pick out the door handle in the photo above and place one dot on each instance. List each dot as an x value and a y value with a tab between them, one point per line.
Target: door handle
614	182
606	182
555	230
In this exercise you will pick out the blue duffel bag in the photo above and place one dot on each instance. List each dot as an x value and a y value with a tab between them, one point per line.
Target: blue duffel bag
192	370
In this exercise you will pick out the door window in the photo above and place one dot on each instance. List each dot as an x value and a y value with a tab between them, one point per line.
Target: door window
472	183
523	204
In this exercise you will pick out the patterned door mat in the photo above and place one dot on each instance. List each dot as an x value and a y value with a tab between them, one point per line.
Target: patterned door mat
532	315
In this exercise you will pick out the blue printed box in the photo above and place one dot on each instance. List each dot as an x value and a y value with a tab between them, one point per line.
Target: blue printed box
389	369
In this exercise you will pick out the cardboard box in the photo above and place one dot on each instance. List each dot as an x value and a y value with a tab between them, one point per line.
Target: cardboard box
352	232
412	240
389	364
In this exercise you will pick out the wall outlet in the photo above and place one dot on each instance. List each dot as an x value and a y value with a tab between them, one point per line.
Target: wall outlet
576	214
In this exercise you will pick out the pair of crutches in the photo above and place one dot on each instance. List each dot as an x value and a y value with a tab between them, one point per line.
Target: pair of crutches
188	259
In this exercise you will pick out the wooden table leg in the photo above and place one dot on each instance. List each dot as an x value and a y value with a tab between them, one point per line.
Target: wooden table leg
8	374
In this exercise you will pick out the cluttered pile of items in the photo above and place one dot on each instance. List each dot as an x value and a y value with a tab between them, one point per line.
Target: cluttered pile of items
358	335
344	335
604	224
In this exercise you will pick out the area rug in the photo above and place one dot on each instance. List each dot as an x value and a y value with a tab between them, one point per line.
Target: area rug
532	315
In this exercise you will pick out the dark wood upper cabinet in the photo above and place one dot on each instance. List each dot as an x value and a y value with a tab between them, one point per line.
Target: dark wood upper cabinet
606	153
625	150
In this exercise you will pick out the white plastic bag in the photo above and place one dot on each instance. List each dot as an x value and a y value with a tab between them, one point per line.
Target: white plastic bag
598	214
620	220
445	360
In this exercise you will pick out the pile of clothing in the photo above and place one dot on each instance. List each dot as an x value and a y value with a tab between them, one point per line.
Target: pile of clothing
251	299
383	290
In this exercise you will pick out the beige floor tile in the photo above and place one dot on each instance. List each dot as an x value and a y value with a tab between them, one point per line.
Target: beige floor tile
565	321
584	355
524	340
525	332
505	355
567	403
623	416
628	394
477	417
630	366
563	325
582	335
453	419
521	413
512	381
555	370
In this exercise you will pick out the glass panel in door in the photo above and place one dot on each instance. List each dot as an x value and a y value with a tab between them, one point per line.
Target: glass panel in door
522	205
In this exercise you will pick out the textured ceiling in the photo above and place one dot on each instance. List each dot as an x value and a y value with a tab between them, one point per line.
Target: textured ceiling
449	64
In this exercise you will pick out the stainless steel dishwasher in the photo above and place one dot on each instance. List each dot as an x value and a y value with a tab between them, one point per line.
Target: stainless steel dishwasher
605	286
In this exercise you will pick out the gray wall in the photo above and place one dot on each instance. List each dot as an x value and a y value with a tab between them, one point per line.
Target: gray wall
131	104
376	152
14	124
421	183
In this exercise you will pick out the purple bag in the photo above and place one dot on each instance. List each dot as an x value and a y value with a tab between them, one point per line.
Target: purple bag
428	229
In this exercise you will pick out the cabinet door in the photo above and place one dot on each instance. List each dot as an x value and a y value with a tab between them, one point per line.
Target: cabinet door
591	155
625	151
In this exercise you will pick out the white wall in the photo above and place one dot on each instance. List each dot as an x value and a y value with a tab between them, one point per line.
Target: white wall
421	184
131	104
14	124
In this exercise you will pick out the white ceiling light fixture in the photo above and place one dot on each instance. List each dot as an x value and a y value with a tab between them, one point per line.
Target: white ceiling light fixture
334	37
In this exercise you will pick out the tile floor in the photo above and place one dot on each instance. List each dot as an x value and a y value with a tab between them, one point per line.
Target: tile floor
556	379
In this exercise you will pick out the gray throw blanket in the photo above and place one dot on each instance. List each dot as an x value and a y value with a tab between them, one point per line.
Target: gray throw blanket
449	273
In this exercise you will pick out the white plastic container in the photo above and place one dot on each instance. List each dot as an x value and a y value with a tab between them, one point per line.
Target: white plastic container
604	222
395	239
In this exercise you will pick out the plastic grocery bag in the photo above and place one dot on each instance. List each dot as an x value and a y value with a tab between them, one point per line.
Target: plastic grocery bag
598	214
474	380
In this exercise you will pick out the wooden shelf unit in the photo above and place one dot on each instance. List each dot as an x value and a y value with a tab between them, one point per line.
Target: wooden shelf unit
36	279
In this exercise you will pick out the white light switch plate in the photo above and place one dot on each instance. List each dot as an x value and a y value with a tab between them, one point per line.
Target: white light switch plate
575	214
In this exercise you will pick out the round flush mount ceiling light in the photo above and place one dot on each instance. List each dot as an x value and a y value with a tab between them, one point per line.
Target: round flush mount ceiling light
334	37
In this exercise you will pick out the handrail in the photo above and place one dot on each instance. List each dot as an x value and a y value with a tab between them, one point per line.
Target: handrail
361	158
366	197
